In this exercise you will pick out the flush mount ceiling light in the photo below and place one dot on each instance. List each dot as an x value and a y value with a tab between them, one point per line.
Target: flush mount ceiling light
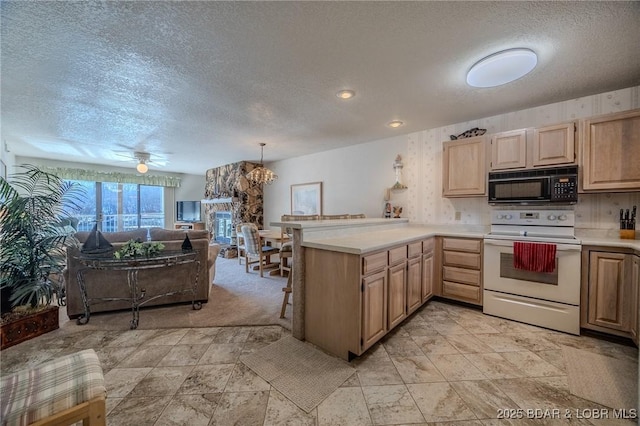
143	159
395	123
261	174
346	94
502	68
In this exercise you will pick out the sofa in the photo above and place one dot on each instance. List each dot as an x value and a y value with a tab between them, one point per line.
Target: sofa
110	283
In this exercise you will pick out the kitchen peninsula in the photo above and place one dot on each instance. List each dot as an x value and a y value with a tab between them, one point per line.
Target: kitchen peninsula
356	279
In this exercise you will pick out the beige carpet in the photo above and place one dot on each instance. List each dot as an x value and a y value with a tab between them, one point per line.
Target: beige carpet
235	298
299	371
605	380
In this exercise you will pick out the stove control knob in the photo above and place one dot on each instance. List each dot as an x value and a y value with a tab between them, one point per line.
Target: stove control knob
499	216
562	217
552	217
507	216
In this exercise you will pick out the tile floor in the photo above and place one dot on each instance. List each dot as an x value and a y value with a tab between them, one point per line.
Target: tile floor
446	363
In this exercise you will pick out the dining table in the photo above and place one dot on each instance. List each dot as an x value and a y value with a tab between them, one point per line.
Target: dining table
273	238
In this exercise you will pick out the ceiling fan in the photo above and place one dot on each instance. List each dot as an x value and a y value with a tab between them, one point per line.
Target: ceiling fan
144	160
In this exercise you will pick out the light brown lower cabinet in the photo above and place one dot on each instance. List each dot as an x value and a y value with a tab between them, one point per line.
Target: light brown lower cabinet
610	291
428	269
352	301
414	283
397	293
374	307
635	314
461	269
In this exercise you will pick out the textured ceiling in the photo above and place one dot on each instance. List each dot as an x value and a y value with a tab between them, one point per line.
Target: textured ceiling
200	84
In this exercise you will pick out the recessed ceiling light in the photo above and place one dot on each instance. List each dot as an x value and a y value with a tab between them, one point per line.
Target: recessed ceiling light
502	68
396	123
346	94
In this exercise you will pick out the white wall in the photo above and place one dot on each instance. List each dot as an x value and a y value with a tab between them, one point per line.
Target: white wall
355	177
7	157
191	189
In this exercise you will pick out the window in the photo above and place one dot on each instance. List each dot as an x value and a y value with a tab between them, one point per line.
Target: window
121	206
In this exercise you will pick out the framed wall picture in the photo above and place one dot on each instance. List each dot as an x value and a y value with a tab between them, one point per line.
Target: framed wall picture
306	198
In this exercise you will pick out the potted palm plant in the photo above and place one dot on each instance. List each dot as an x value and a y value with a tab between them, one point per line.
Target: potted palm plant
33	207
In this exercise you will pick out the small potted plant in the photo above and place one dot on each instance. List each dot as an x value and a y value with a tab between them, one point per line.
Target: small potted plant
135	248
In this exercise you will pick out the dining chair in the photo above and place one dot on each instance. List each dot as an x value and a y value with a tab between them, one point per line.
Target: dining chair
240	242
287	292
334	216
286	249
286	255
254	249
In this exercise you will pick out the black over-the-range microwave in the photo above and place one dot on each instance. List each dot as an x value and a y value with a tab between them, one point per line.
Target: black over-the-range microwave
537	186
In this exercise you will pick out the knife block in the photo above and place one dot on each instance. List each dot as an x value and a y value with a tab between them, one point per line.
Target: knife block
628	234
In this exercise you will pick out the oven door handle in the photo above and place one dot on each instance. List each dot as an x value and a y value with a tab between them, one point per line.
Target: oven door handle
509	243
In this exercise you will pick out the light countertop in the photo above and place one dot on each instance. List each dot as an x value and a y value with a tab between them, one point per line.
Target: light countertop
366	242
609	238
373	240
339	223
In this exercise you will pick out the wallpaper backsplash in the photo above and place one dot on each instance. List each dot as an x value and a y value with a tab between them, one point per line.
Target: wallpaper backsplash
423	173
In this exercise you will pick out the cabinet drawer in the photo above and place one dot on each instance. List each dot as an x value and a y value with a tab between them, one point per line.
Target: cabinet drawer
466	276
397	255
461	244
428	245
457	258
374	262
415	249
467	293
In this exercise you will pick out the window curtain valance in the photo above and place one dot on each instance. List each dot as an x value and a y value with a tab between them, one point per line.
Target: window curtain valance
97	176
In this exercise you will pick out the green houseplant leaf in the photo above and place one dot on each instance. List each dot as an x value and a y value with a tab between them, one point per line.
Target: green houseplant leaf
33	206
136	248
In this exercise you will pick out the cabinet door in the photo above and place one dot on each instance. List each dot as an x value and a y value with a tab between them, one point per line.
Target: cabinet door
635	298
509	150
609	291
374	308
611	152
464	167
428	270
397	294
414	284
554	145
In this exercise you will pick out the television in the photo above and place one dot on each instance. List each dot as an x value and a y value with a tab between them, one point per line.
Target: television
188	211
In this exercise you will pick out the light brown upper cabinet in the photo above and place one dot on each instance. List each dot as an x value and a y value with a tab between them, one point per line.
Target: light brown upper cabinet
610	152
464	167
554	145
530	148
509	150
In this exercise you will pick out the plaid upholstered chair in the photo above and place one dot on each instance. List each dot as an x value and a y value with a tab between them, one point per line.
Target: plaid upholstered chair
240	242
254	251
334	216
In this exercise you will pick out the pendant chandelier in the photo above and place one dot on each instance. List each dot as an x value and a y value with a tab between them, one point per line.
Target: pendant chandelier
261	174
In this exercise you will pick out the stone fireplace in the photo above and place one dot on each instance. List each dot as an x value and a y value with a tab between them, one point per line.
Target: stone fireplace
231	199
222	229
